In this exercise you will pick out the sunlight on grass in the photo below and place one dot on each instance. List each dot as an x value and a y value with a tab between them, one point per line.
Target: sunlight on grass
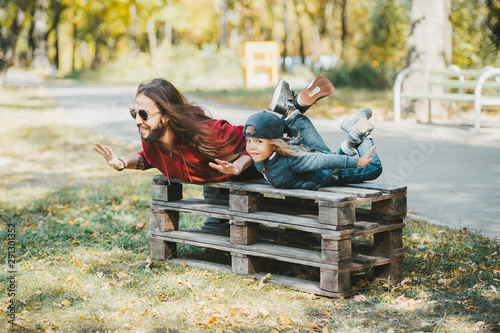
83	261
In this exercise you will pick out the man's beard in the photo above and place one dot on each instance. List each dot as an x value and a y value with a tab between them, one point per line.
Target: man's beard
155	134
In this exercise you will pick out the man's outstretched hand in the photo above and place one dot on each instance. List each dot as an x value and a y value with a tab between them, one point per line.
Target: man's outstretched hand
109	156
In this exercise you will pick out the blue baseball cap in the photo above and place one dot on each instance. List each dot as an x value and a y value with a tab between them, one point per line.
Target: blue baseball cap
264	125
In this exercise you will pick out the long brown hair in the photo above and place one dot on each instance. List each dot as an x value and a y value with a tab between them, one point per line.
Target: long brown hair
283	148
188	121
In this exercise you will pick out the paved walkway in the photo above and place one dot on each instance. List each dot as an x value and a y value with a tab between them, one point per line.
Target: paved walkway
452	174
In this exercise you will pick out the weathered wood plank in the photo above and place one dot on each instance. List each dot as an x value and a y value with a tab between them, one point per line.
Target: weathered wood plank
359	192
208	265
270	251
198	206
285	281
246	203
244	264
394	206
365	225
380	187
161	190
252	186
335	281
302	285
246	233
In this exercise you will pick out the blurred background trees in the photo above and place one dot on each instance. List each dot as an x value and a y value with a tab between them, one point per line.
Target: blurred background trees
360	43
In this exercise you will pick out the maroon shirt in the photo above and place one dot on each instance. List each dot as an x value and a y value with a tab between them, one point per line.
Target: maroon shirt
187	163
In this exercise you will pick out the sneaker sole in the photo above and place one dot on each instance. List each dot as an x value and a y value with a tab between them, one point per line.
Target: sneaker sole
349	121
364	126
320	87
276	96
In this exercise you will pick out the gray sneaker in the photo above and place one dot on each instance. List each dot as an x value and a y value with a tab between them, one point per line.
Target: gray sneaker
360	131
282	98
349	122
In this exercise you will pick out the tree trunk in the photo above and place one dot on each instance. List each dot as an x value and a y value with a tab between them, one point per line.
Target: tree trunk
429	48
40	58
8	45
223	24
96	62
301	34
285	36
153	43
56	46
73	51
344	35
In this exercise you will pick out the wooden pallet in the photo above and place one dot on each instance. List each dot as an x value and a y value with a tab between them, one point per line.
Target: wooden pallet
326	225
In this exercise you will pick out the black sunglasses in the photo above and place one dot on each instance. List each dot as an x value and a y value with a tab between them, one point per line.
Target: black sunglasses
142	113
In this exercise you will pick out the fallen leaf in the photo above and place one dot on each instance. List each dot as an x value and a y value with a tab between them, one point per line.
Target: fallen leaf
188	284
140	225
70	277
361	283
360	298
270	322
210	323
263	311
65	302
314	326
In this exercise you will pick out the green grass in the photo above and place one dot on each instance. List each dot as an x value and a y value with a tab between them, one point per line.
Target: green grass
83	262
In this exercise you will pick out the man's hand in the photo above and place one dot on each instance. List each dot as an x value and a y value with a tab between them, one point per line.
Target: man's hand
109	156
366	158
225	167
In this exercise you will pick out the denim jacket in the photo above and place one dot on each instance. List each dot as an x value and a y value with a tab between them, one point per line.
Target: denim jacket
309	171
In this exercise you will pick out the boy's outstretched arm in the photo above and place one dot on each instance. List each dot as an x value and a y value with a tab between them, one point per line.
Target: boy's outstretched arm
366	158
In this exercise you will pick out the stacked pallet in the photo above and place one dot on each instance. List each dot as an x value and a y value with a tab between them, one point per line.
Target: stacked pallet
338	230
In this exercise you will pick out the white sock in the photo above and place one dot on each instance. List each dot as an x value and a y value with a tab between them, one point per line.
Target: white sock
299	102
348	150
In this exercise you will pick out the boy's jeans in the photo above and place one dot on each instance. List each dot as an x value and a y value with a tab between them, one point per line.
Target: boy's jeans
299	124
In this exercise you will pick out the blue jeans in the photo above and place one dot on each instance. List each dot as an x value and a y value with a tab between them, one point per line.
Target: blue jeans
300	125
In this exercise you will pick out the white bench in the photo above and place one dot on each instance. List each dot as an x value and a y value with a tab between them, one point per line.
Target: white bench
457	84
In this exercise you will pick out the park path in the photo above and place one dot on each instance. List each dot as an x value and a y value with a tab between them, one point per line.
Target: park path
452	174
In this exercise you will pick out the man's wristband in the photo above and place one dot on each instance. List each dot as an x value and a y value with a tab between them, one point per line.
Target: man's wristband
123	165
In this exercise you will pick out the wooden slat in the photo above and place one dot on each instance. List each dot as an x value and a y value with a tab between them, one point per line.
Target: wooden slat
359	192
386	188
258	187
285	281
365	225
211	266
270	251
380	228
198	207
302	285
